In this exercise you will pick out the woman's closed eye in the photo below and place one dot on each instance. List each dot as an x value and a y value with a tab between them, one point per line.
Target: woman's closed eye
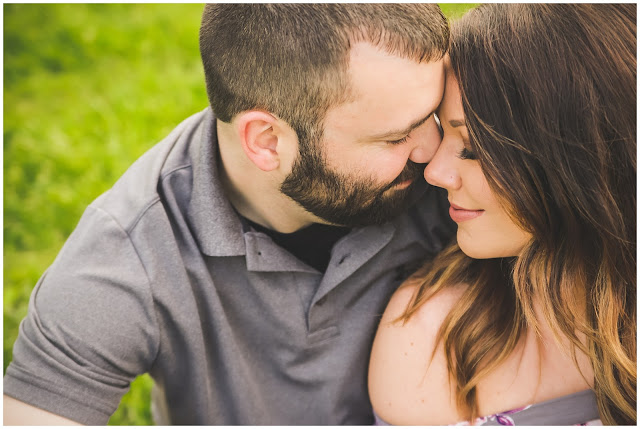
467	154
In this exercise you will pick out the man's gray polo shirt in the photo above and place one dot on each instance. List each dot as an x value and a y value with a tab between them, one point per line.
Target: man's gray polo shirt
160	277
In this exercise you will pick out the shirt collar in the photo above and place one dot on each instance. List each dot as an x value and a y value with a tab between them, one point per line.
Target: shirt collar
217	226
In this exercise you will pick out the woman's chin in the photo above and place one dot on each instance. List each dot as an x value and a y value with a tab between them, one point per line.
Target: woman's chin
478	250
473	252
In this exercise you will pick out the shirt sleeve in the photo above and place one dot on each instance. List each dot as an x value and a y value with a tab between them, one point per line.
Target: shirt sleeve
90	328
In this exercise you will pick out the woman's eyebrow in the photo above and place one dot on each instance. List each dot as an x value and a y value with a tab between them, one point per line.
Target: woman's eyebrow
455	123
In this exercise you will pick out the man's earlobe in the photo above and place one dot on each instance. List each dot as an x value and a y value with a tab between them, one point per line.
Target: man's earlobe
259	138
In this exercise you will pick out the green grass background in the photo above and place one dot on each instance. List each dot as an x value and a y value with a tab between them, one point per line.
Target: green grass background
88	88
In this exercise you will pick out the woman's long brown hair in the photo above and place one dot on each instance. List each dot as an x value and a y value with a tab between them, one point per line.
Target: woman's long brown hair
549	94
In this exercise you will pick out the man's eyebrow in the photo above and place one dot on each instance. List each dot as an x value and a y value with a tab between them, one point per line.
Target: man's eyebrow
403	132
455	123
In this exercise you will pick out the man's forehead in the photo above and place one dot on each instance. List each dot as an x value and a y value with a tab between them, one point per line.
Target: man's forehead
391	95
366	59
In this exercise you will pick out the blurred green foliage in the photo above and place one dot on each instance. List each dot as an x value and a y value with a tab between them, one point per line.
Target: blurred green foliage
88	88
455	10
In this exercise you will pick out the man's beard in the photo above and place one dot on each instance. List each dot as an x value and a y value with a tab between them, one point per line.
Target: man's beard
344	200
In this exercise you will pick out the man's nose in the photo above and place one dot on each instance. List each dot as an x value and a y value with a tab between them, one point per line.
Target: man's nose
427	143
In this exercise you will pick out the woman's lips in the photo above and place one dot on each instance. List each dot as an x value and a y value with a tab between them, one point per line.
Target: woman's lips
459	214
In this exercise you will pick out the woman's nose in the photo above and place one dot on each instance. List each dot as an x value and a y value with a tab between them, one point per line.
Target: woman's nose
442	170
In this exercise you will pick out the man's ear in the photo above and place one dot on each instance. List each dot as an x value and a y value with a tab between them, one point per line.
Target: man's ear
258	133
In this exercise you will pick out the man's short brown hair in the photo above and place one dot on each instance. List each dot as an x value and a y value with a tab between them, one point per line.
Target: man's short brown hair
292	59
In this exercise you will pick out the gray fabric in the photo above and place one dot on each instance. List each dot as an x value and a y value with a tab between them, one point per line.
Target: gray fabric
160	277
575	409
572	409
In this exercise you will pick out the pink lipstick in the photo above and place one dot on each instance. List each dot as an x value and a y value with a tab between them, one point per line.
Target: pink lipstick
459	214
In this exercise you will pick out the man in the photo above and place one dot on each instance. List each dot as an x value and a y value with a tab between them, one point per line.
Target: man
245	260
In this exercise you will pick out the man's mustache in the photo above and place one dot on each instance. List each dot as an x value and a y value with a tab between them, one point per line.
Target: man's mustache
411	171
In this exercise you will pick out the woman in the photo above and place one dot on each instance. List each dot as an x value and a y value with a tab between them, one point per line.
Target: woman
533	310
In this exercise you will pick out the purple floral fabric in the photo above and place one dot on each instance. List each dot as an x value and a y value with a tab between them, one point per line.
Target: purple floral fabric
505	419
502	418
576	409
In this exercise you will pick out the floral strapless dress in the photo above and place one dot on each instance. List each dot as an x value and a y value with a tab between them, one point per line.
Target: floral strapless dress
578	409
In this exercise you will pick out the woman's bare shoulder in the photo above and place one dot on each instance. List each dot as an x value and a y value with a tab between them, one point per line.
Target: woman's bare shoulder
429	315
406	385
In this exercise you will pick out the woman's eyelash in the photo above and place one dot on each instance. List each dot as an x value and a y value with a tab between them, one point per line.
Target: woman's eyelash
466	154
